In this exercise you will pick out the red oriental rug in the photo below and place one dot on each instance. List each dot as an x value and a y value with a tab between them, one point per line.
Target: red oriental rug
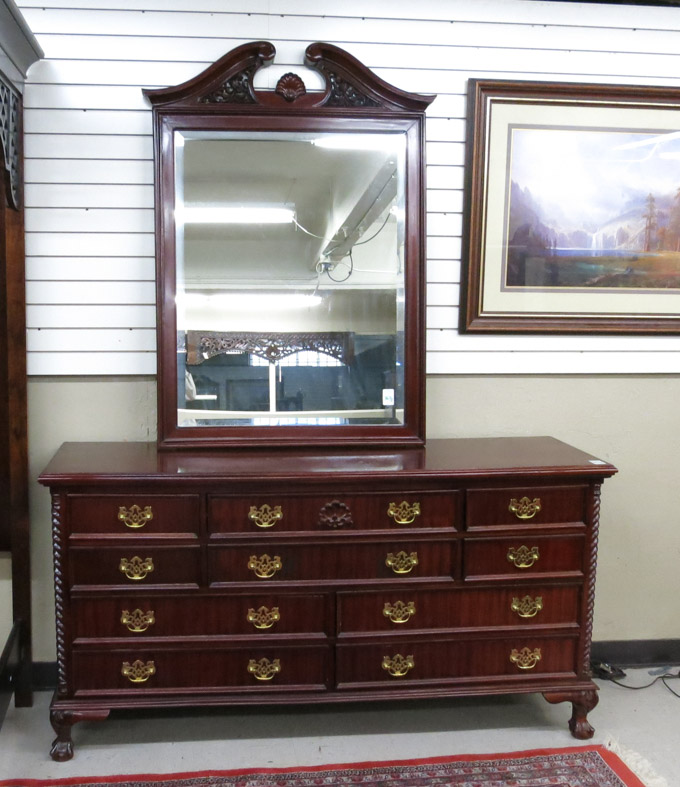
590	766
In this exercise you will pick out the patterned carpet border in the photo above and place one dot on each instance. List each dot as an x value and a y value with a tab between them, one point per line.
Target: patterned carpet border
588	766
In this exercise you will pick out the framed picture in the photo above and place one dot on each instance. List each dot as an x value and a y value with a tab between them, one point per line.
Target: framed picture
572	208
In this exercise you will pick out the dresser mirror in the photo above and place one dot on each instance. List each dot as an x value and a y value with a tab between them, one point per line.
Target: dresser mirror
289	256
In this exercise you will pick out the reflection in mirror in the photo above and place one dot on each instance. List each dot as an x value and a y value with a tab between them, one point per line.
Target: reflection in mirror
290	277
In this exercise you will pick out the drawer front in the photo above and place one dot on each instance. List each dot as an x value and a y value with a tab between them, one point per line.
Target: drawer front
134	565
134	515
400	612
251	668
260	563
139	616
526	506
332	512
412	661
523	556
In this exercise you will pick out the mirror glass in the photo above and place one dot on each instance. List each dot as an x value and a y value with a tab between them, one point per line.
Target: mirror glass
289	251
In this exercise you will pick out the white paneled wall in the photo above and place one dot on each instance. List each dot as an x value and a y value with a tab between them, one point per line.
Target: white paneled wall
89	174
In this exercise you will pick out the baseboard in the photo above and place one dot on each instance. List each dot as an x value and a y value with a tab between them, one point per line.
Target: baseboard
637	653
624	653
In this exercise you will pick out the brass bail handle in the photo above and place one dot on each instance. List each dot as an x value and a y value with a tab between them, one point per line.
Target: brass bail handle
135	516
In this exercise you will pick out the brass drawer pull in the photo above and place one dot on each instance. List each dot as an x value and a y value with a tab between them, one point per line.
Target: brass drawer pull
264	618
135	568
264	566
399	612
138	671
523	557
266	515
264	669
525	508
398	665
137	621
525	658
135	517
527	607
403	513
401	563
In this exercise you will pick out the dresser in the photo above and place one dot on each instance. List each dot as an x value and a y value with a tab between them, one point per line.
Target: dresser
315	576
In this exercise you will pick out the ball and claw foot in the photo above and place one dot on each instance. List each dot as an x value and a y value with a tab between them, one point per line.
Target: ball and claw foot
62	721
582	702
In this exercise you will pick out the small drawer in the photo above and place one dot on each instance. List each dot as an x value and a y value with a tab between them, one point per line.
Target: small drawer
547	505
399	612
140	616
398	560
333	513
523	556
511	659
134	515
146	671
134	566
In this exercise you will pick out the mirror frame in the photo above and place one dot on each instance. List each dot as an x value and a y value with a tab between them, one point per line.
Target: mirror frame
354	99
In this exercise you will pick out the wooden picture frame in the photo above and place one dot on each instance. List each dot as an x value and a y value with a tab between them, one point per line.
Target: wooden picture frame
572	210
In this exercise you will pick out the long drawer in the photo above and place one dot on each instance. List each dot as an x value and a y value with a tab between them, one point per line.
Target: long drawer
397	559
138	616
148	670
399	612
332	512
412	661
134	514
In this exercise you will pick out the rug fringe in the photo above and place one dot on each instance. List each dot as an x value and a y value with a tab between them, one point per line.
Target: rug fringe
641	767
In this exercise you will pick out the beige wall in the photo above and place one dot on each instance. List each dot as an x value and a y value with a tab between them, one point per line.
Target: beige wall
630	421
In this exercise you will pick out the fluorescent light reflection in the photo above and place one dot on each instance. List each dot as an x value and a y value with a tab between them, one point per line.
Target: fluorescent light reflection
386	142
249	301
234	215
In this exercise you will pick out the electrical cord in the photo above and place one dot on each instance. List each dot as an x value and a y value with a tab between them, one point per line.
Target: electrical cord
663	678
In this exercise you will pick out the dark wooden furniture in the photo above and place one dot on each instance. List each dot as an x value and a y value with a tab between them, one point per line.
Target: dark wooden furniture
319	575
19	50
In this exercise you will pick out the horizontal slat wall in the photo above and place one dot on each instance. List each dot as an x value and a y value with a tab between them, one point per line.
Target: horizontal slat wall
89	172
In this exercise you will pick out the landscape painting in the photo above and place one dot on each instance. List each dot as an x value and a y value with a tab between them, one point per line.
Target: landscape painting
592	209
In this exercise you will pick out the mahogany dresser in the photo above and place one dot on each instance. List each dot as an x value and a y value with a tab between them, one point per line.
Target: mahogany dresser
317	575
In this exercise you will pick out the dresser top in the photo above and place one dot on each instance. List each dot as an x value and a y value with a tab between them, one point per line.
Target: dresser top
87	463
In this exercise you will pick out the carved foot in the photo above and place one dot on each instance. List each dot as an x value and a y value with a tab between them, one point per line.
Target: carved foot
62	721
582	702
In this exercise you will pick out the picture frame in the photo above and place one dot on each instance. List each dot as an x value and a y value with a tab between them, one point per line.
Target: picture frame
571	209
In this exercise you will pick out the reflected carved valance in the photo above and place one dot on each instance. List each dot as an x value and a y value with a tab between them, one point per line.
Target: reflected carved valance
202	345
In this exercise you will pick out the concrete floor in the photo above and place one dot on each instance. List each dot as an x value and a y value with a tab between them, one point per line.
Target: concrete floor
644	726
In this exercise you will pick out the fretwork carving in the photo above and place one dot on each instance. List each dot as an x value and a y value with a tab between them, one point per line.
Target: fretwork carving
238	89
9	139
344	93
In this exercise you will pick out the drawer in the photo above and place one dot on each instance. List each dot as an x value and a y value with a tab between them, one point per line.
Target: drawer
161	616
134	565
332	512
544	505
523	556
257	563
398	612
522	657
138	514
249	668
